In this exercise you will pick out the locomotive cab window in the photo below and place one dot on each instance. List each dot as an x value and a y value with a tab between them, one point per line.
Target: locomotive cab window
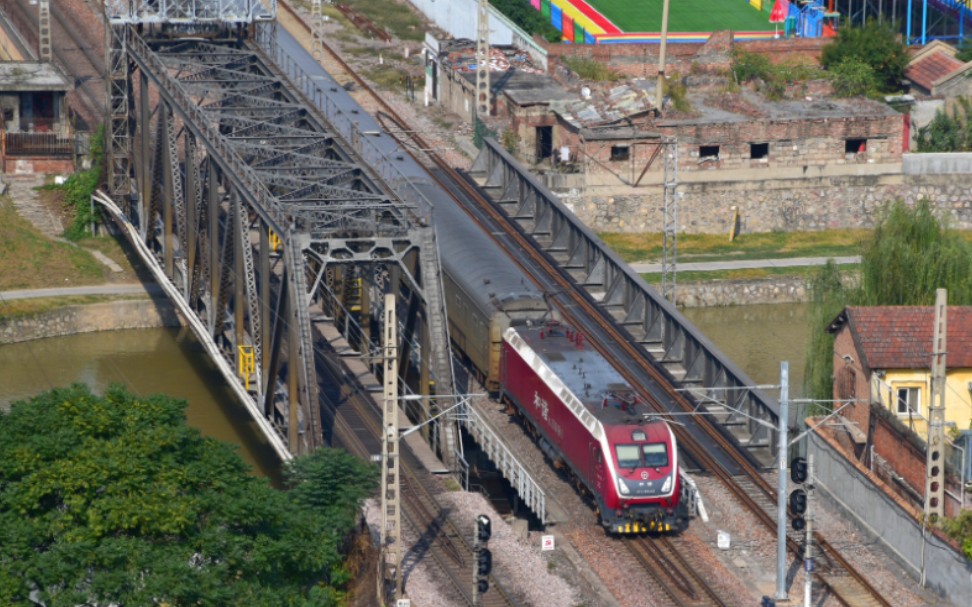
656	455
629	456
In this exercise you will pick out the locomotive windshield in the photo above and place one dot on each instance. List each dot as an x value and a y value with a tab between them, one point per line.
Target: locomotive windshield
651	455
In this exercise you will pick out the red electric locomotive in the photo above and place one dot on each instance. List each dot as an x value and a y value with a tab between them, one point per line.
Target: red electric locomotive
589	418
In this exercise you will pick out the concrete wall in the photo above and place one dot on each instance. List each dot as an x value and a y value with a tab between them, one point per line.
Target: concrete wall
955	163
891	523
107	316
458	18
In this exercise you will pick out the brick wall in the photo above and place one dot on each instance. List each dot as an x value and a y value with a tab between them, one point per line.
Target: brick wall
851	381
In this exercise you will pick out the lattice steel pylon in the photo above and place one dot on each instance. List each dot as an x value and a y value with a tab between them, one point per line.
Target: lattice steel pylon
935	464
483	100
669	239
390	481
119	124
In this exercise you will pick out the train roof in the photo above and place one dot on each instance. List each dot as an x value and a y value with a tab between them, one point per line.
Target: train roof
475	261
581	369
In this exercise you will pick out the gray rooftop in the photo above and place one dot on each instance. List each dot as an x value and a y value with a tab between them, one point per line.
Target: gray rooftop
28	76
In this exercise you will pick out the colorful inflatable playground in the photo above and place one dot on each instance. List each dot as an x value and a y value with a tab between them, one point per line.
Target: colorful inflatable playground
639	21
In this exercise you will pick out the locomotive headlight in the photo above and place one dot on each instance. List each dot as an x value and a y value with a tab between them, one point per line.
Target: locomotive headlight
623	487
668	484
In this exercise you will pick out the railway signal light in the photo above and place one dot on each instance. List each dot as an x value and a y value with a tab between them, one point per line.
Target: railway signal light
483	528
799	473
483	557
484	563
798	470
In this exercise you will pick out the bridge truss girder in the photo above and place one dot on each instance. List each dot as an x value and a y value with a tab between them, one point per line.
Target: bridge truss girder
266	223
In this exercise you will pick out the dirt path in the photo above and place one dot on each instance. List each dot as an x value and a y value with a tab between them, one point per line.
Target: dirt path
27	201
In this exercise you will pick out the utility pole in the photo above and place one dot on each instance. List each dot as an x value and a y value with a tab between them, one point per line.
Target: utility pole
44	25
808	549
669	238
935	462
781	496
660	85
483	101
317	31
390	542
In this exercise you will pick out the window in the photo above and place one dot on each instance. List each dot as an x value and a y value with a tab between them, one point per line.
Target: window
855	146
708	152
620	152
628	456
656	455
758	151
908	401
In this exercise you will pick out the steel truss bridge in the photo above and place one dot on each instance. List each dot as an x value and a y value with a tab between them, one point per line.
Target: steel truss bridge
266	223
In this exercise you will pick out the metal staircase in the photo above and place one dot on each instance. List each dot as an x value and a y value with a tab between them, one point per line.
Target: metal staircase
441	352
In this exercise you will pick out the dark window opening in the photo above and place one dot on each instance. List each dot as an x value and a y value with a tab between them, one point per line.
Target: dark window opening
620	152
709	152
758	151
855	146
544	142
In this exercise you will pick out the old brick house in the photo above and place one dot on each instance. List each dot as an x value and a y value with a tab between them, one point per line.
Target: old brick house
35	130
882	363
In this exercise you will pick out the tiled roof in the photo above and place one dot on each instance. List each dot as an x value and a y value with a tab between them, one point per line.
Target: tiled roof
900	337
924	71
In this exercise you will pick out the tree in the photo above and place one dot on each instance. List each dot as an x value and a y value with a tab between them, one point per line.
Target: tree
911	253
876	44
852	77
115	500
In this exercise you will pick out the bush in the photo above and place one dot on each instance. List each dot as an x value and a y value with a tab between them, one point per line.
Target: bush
877	44
948	132
854	78
771	79
590	69
79	187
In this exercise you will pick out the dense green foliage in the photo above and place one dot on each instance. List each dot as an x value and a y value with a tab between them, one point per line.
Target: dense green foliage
911	253
526	17
964	53
948	131
771	79
960	528
878	44
115	500
79	187
853	77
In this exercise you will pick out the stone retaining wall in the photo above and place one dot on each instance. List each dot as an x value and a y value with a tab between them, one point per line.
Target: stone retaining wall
766	205
107	316
791	289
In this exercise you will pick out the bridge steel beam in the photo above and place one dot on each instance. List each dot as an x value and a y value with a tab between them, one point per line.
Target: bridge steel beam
689	359
265	221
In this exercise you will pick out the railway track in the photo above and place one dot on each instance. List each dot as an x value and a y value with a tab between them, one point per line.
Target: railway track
749	487
665	560
357	426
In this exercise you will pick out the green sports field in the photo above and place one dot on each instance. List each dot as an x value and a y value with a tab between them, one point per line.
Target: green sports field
686	15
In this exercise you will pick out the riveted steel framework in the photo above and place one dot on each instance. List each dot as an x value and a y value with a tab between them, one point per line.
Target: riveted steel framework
265	220
691	360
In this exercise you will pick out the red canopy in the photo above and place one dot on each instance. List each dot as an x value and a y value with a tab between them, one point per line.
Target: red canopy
780	10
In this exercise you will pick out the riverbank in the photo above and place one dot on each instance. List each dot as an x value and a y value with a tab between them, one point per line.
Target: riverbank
110	315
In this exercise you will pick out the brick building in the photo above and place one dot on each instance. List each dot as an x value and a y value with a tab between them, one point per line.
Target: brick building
882	363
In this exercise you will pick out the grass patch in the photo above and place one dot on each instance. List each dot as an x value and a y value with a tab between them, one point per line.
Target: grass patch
589	69
386	77
23	308
30	260
717	247
746	274
686	16
399	19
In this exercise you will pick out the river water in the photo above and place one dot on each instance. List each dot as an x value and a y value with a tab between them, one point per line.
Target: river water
171	361
147	361
758	338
